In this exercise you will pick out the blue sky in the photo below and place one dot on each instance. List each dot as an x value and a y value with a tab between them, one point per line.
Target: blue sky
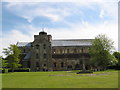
63	13
66	20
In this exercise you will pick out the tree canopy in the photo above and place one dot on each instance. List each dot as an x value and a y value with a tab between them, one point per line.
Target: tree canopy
117	56
12	56
100	51
3	63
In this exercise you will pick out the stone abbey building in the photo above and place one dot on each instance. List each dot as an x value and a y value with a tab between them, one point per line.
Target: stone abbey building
45	54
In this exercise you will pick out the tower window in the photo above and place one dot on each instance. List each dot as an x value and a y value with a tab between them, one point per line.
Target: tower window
37	46
44	46
37	56
44	55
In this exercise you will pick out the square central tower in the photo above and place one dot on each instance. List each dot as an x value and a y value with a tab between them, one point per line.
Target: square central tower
41	52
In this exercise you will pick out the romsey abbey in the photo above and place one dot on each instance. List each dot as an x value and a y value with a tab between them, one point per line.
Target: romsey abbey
45	54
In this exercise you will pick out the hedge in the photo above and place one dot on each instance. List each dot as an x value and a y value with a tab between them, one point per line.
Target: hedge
114	67
3	70
20	70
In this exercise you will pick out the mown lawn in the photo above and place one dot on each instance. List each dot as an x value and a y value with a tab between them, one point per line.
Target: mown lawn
60	79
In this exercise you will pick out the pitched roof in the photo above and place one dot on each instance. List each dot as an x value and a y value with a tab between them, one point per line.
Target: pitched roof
63	42
72	42
27	56
21	44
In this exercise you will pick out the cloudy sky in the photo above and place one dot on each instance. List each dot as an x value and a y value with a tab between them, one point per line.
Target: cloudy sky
63	20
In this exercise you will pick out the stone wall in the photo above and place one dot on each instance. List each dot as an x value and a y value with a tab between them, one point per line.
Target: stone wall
44	57
41	53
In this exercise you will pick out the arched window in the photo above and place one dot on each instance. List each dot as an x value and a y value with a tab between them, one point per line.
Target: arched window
44	65
69	67
54	51
77	66
44	46
67	50
37	56
60	51
37	64
45	55
54	64
75	51
62	64
37	46
82	50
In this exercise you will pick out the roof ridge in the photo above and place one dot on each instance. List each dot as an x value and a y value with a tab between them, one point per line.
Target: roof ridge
23	41
69	39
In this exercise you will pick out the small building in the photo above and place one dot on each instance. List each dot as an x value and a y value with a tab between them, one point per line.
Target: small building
45	54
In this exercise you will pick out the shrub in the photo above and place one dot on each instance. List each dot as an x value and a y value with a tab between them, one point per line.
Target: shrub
114	67
85	72
4	70
1	70
20	70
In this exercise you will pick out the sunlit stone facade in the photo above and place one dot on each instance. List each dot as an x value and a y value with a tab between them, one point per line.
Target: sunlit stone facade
45	54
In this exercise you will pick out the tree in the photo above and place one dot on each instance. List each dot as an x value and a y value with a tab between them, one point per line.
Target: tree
117	56
3	63
100	52
12	56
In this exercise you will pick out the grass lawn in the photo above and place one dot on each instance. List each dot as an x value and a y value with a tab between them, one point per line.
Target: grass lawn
60	79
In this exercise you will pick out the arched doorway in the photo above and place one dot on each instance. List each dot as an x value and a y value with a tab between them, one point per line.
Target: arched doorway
69	67
77	66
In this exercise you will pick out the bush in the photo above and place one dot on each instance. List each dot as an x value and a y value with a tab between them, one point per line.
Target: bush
4	70
114	67
1	70
85	72
20	70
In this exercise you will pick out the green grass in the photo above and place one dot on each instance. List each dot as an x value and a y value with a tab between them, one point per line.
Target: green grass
60	79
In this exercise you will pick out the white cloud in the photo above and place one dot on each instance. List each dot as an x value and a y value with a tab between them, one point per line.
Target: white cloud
12	38
102	13
30	11
84	31
88	31
81	1
109	8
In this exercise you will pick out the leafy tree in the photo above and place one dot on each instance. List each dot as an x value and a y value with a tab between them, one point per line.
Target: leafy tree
100	51
117	56
12	58
3	63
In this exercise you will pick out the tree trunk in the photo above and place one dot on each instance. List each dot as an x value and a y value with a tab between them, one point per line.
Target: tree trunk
12	68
